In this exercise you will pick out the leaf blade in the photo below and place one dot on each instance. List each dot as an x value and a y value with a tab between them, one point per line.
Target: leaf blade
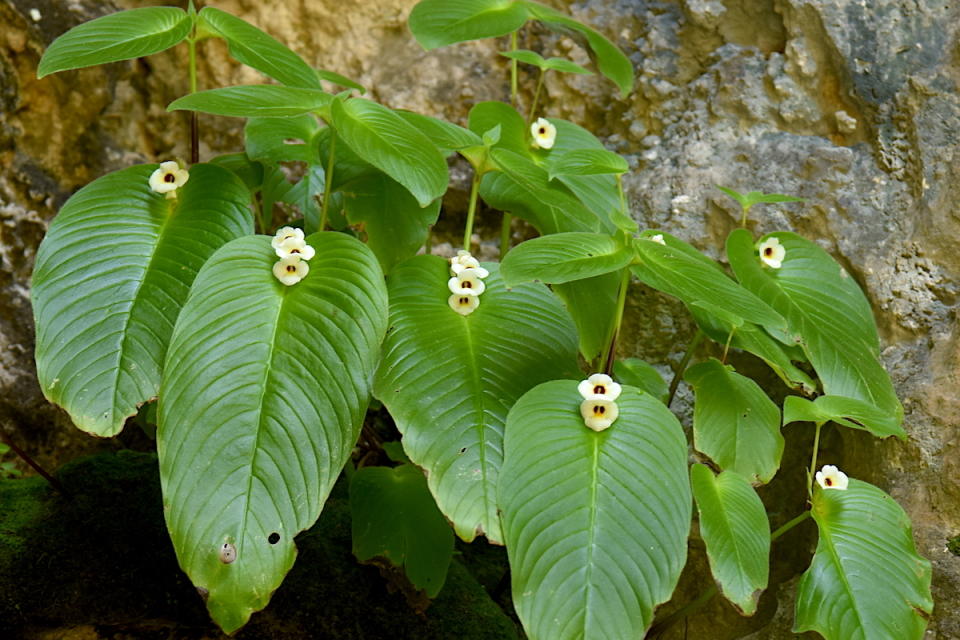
438	23
254	101
563	257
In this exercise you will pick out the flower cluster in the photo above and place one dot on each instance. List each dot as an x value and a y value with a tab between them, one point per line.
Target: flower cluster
168	178
599	409
293	252
772	253
466	283
544	133
829	477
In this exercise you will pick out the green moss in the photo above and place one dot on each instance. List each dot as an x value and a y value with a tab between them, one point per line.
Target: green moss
953	545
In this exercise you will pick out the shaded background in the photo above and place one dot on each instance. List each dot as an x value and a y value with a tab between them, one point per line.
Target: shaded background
851	104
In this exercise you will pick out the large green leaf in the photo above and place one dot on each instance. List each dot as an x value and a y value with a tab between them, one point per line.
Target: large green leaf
393	145
593	305
110	278
610	60
734	526
118	36
447	136
448	380
827	311
680	270
643	375
292	139
563	257
587	162
261	403
395	224
485	116
255	100
734	422
866	580
394	517
257	49
848	412
437	23
596	523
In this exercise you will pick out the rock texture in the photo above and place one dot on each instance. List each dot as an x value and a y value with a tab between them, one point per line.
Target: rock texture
851	104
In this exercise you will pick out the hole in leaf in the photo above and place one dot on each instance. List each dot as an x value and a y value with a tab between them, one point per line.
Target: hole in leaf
463	450
273	538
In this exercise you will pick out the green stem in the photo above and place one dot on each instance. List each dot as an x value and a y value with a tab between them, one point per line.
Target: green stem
194	116
697	339
606	364
813	459
471	210
743	218
327	182
513	70
726	347
536	98
790	525
623	198
505	235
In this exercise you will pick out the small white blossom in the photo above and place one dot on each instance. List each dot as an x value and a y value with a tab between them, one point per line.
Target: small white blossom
658	239
599	412
463	304
294	246
829	477
286	233
35	15
464	260
466	283
290	270
599	384
168	178
544	133
772	252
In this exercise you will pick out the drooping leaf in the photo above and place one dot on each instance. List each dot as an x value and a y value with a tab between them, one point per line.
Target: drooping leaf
827	312
595	523
593	305
526	56
390	143
110	278
395	224
849	412
563	257
641	374
257	49
866	580
734	422
290	139
119	36
260	407
438	23
484	116
587	162
734	526
549	64
335	78
255	100
609	59
747	200
394	517
447	136
448	380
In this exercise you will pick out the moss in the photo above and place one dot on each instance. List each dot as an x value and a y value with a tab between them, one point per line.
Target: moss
102	557
953	545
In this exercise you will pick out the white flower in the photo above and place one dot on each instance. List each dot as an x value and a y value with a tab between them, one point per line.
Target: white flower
290	270
286	233
466	283
463	304
544	133
829	477
658	239
598	412
772	252
294	246
168	178
599	384
465	261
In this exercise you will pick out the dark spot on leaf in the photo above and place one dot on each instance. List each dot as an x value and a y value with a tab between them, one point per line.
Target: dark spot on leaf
856	422
228	553
273	538
463	450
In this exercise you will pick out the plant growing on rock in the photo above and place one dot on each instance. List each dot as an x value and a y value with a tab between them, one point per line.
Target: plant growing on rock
265	349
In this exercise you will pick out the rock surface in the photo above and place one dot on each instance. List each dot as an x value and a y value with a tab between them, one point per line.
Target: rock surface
852	105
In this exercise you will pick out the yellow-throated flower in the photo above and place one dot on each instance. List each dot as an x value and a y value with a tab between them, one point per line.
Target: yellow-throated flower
829	477
286	233
466	283
599	384
544	133
290	270
598	412
294	246
464	260
772	253
168	178
464	304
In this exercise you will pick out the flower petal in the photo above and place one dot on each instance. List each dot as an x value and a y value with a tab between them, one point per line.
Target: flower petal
463	304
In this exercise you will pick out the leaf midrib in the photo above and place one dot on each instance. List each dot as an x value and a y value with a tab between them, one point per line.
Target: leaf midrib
480	423
591	539
827	537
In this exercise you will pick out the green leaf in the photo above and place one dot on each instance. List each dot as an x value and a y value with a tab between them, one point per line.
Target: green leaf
484	116
827	312
609	59
563	257
110	278
257	49
734	526
249	171
587	162
747	200
734	422
566	66
526	56
303	195
390	143
866	580
849	412
680	270
255	100
593	305
290	139
119	36
438	23
641	374
262	408
448	380
596	524
447	136
395	224
394	517
335	78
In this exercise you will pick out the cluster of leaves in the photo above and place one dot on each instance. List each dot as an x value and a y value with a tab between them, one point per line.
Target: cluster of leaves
263	388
